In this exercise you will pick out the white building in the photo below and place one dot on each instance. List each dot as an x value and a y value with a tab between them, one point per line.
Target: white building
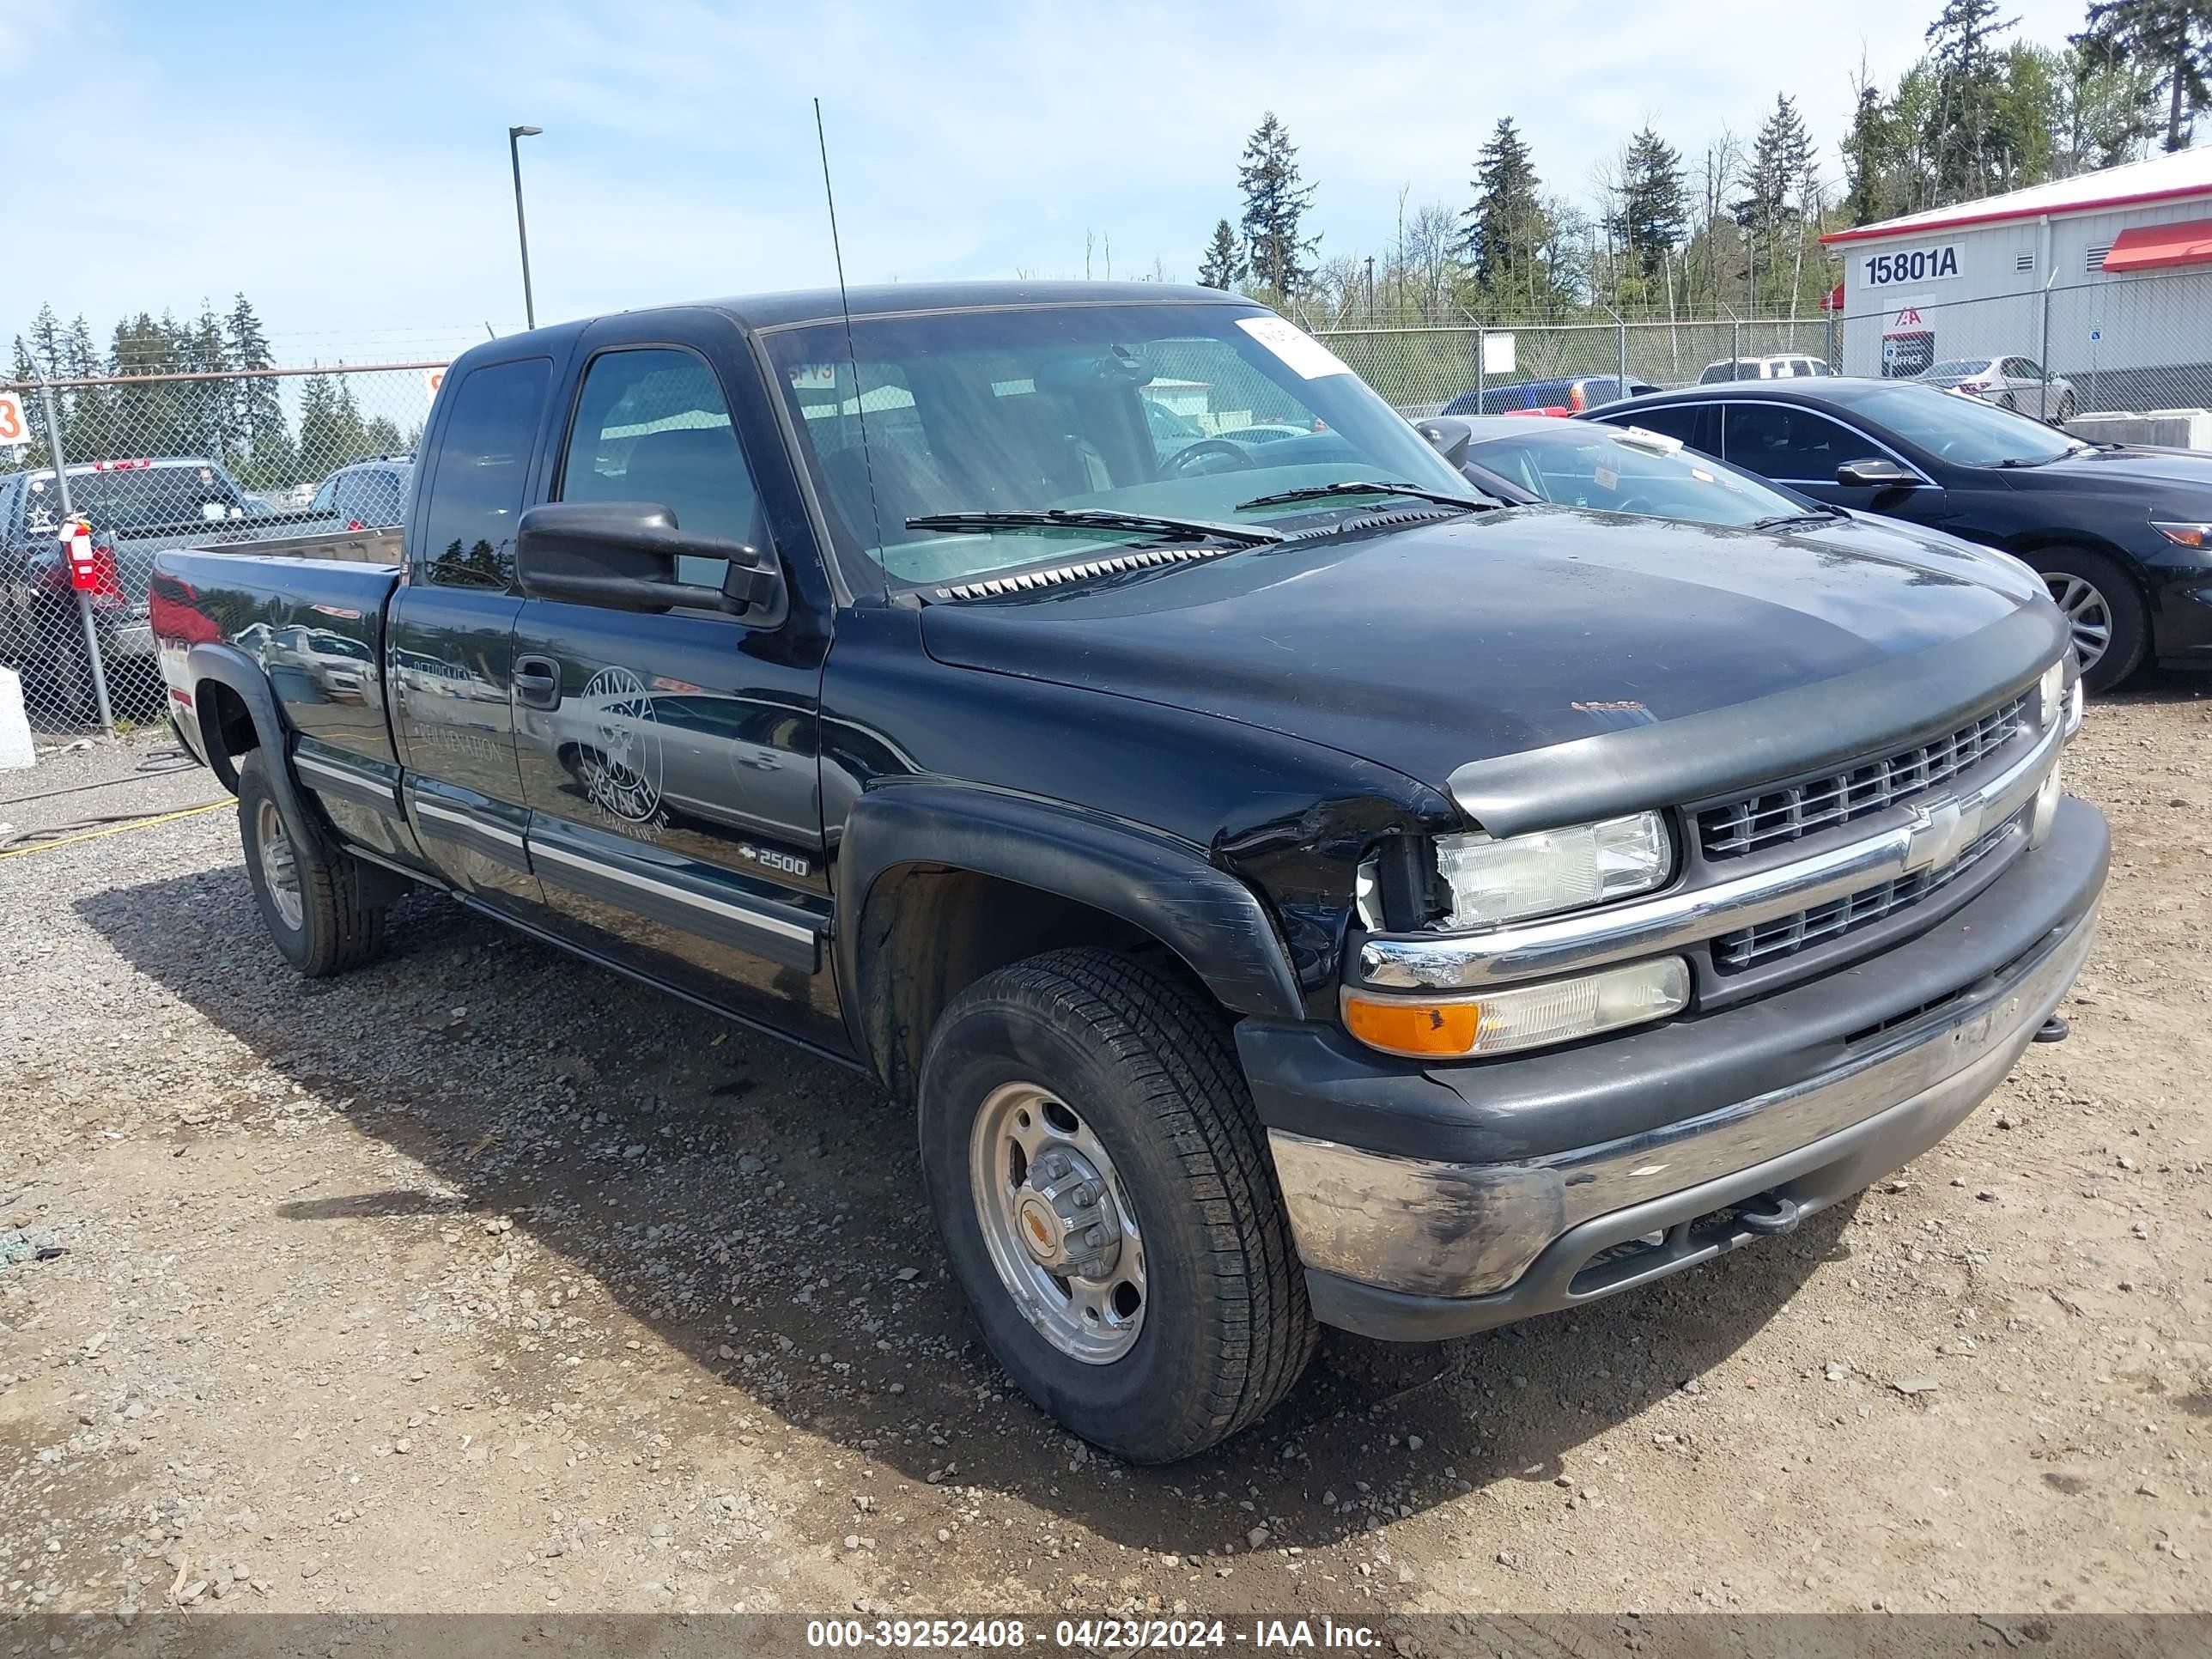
2105	278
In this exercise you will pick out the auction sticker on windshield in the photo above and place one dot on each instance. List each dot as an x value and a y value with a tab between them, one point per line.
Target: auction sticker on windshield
1306	357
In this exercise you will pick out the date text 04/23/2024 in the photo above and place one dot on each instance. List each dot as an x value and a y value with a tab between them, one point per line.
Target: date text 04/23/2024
1089	1635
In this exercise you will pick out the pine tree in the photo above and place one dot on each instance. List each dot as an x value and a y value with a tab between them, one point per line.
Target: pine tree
1505	230
1276	202
256	415
1652	211
207	403
322	433
1221	267
1968	82
1774	185
2175	35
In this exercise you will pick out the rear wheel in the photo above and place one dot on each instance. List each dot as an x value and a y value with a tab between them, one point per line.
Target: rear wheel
1104	1192
2103	609
308	887
2067	409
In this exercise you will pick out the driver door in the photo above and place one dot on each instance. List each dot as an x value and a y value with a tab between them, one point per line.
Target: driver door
670	760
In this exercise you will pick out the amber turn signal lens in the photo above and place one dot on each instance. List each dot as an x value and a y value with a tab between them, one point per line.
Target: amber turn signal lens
1414	1028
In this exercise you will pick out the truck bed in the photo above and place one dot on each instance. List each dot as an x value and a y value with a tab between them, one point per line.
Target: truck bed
315	624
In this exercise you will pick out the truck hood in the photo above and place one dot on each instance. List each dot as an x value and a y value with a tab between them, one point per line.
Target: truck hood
1434	645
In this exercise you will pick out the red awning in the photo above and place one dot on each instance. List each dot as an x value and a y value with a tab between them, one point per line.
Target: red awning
2154	247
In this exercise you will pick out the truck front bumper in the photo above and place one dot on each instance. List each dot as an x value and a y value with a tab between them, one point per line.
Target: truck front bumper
1431	1202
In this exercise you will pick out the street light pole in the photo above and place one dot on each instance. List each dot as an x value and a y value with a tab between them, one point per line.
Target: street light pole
515	136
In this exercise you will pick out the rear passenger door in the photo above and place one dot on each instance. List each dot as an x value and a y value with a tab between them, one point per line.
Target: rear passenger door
670	760
450	644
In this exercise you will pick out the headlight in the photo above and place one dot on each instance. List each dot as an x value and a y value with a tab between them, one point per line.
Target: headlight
2185	535
1551	870
2051	695
1519	1016
2073	709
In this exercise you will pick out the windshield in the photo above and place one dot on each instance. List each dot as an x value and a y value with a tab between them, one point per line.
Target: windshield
1580	466
1060	406
1965	431
134	497
1957	369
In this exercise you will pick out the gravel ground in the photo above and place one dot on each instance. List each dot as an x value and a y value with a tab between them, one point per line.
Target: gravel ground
482	1279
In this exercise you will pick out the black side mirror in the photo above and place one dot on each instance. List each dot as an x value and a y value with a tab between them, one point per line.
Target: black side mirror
622	556
1874	473
1448	435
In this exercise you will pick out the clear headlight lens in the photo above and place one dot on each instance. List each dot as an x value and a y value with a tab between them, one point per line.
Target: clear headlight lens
2051	695
1520	1016
2073	709
1494	880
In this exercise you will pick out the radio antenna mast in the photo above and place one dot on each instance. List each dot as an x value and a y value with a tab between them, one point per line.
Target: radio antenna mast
852	354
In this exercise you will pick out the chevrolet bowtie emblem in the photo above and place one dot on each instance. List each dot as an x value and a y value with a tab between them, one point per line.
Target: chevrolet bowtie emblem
1940	831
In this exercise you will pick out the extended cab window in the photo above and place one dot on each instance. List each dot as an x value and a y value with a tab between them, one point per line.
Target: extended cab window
483	465
651	426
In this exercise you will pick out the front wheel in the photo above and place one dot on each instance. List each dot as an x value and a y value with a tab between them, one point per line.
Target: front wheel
1104	1192
2067	410
2104	611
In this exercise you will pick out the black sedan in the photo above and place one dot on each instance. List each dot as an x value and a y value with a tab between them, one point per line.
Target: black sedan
2122	534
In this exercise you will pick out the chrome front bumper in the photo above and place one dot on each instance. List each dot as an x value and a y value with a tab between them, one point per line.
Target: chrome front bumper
1507	1240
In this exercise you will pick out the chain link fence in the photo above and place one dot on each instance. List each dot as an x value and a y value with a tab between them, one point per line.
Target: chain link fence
1498	369
2131	347
147	462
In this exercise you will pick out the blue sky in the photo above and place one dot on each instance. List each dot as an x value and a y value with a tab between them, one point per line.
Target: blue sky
347	165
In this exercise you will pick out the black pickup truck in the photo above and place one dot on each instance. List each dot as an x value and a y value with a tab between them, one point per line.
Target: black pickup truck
1288	884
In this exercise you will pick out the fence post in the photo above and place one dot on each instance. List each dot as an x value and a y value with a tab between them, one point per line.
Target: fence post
97	669
1620	323
1481	368
1736	337
2043	359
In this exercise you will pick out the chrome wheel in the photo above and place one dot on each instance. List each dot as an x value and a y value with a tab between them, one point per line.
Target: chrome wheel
2088	613
1057	1222
280	866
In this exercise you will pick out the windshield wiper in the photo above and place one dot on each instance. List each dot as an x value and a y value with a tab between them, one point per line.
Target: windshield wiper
1095	518
1783	521
2045	460
1324	492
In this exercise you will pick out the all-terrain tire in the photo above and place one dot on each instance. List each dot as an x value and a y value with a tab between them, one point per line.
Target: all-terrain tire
335	929
1150	1067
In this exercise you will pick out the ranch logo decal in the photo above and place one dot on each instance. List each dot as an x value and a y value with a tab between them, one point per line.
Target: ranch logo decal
622	776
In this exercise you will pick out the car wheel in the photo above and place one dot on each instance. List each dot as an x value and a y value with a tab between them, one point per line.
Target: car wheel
2067	410
2008	401
2103	608
1105	1194
308	887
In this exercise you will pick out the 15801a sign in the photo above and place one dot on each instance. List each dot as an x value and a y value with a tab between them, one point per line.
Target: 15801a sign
1920	264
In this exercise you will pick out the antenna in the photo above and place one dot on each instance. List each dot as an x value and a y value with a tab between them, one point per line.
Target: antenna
852	354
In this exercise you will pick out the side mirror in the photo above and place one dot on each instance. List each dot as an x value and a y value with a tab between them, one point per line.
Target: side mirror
1874	473
622	556
1448	435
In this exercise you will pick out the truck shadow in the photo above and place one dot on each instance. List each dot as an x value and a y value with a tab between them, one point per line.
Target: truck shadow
762	1211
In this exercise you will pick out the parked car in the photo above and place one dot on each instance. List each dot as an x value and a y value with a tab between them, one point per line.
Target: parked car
367	495
2122	534
1287	884
1782	365
2019	383
1568	395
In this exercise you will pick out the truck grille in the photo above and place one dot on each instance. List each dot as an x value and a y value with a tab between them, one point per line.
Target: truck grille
1738	827
1746	947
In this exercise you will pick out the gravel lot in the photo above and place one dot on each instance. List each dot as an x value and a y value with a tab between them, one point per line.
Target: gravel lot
482	1279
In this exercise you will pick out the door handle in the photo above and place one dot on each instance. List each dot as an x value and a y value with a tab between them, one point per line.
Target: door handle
538	682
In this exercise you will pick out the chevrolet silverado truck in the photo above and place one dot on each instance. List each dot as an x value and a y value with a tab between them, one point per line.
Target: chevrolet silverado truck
1287	885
